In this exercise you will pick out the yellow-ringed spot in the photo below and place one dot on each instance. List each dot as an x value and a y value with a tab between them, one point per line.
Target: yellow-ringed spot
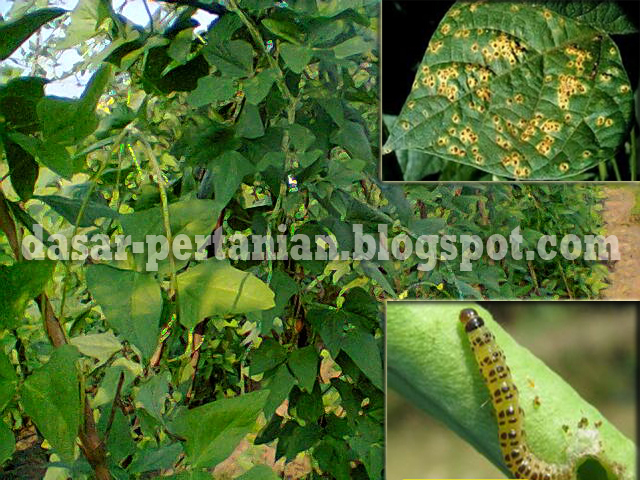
625	89
442	141
495	372
484	94
405	125
435	46
455	118
446	28
455	150
563	167
600	121
608	122
515	159
411	104
503	142
586	154
544	147
522	172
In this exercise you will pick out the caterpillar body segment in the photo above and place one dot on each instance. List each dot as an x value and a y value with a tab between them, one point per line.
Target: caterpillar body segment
504	396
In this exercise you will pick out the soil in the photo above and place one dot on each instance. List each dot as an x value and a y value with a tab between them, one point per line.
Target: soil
625	277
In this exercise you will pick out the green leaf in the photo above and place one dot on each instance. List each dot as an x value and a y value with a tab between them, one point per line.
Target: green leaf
308	406
258	87
120	443
280	384
259	472
8	443
517	91
232	58
100	346
284	29
363	349
296	56
228	170
353	138
13	34
8	381
187	217
18	100
133	309
212	89
604	15
250	124
69	208
159	458
331	8
56	158
224	29
216	288
22	167
304	365
299	440
66	121
85	19
268	355
354	46
180	46
21	283
51	397
212	431
301	137
285	287
153	394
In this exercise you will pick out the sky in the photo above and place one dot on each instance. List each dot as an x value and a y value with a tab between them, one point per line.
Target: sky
73	86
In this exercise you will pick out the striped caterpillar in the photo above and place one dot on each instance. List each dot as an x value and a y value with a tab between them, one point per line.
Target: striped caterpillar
504	396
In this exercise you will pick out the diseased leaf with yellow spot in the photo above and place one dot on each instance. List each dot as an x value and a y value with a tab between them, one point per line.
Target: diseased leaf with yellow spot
516	90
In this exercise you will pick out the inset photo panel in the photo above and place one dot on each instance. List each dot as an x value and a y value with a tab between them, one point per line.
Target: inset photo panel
509	91
537	390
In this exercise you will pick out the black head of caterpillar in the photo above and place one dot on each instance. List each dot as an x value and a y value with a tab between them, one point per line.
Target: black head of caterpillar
504	397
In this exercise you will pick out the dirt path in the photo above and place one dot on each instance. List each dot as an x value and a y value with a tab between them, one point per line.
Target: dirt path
625	277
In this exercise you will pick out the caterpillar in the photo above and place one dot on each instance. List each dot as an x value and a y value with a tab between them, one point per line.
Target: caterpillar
504	396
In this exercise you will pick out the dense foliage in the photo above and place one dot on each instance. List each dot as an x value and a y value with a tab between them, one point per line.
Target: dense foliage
269	118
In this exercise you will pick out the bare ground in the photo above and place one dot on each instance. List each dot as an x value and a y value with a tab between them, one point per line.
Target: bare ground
625	278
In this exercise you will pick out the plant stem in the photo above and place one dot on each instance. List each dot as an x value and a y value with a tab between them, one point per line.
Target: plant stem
165	216
616	170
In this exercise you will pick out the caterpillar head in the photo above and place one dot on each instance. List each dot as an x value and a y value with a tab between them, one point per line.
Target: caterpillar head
470	319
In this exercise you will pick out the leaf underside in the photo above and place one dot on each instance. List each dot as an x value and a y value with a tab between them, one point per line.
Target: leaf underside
516	90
